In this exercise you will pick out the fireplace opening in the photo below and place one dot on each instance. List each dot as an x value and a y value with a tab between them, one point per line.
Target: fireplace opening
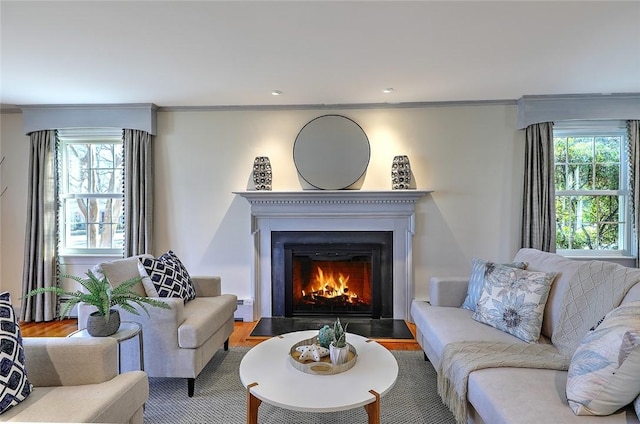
343	273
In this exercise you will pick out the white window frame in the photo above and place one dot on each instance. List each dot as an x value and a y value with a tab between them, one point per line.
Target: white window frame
84	136
603	128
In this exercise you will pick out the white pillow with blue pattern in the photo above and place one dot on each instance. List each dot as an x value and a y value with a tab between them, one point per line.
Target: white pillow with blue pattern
476	281
604	374
513	300
14	384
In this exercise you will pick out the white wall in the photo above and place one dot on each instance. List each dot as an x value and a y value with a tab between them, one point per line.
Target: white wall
471	156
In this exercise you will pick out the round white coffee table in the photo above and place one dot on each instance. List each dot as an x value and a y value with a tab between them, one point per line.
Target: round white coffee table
269	377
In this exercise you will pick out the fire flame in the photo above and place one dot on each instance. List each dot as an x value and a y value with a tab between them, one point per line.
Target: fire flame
329	285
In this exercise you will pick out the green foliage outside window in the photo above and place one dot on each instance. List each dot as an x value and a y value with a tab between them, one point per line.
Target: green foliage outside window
588	201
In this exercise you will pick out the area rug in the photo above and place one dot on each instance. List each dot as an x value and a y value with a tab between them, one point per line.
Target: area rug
220	397
384	328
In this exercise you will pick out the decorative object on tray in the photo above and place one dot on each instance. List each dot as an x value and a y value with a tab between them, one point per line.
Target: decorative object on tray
400	173
324	366
326	353
325	336
313	351
338	348
262	173
103	296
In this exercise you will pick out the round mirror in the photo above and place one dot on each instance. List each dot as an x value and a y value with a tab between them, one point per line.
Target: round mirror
331	152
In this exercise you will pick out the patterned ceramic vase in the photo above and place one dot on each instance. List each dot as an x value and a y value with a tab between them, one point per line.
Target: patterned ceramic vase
262	173
400	173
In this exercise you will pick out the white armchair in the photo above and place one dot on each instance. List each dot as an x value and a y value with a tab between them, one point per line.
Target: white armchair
76	380
177	342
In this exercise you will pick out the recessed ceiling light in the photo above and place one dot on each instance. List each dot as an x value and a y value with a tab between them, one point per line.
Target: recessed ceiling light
387	90
276	92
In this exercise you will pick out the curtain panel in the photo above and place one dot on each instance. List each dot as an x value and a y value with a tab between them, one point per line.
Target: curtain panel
633	136
138	192
40	261
539	211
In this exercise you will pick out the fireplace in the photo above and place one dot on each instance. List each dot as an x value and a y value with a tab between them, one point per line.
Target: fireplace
312	211
334	273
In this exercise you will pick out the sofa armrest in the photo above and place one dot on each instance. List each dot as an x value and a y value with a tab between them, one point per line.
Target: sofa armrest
207	286
63	361
448	291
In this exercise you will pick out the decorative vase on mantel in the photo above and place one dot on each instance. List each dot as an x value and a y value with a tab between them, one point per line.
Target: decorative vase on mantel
262	173
400	173
97	326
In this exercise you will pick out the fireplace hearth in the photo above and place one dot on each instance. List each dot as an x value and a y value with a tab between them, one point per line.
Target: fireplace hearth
335	273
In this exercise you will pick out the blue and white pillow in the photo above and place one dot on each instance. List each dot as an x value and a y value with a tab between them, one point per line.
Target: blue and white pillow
170	278
476	281
604	373
513	300
14	384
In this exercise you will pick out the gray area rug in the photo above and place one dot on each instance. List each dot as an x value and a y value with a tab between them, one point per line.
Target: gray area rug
220	397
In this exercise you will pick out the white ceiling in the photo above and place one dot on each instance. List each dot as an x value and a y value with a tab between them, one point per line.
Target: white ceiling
235	53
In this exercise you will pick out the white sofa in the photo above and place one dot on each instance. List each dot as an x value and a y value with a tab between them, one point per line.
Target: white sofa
177	342
76	380
508	395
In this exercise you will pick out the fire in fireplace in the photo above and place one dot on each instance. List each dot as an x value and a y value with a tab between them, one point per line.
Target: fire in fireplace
332	273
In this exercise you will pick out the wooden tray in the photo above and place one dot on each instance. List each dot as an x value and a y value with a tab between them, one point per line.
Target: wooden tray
324	366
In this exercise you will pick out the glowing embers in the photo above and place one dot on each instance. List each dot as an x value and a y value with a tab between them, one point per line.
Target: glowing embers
330	286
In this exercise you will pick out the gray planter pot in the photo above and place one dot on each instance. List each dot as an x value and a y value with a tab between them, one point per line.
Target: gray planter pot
98	327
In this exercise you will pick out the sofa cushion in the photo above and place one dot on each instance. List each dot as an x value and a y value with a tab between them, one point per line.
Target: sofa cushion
441	325
604	374
535	396
476	281
513	300
121	270
14	384
550	262
203	317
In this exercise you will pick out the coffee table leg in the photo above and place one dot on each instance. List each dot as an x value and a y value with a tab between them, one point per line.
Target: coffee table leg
373	409
252	405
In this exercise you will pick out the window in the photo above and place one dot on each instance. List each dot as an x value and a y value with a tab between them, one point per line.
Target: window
90	184
592	195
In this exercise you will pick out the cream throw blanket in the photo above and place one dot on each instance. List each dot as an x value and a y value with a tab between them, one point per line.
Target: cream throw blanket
595	289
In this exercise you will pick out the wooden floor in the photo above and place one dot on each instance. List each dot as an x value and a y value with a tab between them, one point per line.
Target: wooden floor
241	335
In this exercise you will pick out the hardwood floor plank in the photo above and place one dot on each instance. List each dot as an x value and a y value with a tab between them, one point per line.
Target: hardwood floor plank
241	335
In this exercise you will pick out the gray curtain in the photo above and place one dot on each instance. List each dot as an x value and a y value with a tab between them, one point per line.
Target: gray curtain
633	132
538	208
40	262
138	192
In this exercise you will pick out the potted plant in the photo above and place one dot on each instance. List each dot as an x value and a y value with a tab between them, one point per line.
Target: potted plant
338	349
99	293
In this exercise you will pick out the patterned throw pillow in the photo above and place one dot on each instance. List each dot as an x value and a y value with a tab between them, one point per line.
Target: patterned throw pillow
476	281
172	257
170	278
14	384
604	374
636	406
513	300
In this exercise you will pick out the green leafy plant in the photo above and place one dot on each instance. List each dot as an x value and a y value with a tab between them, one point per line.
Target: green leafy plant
339	334
102	295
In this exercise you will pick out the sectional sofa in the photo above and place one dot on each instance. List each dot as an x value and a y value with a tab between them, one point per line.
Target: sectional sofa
508	393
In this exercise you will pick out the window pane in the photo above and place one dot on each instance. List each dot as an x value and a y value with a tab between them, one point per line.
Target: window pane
560	149
608	208
104	154
607	149
607	177
609	237
580	149
560	177
580	177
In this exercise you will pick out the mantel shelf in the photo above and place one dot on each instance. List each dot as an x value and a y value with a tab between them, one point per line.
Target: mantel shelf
329	196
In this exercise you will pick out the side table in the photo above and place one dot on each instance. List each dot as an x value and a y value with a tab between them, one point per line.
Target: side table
127	330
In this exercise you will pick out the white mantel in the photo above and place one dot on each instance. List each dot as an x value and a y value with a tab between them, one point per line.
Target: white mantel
334	210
